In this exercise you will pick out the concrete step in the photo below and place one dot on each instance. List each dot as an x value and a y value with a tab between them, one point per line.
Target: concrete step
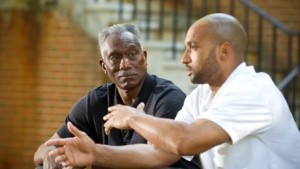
161	63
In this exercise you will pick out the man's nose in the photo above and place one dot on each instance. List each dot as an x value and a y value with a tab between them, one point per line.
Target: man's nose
125	63
185	58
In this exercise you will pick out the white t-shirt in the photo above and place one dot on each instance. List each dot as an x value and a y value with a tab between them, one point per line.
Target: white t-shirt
254	113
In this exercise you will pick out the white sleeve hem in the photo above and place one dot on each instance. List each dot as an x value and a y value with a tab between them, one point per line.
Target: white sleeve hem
189	158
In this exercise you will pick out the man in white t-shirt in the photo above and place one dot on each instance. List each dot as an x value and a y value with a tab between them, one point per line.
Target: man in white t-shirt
235	118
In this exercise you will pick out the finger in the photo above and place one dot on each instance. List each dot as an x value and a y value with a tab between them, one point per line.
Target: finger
74	130
107	130
108	116
115	107
57	151
61	158
107	127
55	142
141	106
111	108
106	124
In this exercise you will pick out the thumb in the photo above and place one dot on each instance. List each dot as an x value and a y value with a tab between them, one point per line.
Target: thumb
141	106
74	130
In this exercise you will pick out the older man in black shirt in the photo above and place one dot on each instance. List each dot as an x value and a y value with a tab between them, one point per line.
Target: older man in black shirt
125	62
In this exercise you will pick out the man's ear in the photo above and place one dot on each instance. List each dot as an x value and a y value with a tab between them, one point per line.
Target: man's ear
225	50
145	55
102	65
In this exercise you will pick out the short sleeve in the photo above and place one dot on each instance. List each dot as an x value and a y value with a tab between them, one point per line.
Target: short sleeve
78	117
241	110
193	104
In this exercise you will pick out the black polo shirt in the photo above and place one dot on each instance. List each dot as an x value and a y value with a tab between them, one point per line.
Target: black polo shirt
161	97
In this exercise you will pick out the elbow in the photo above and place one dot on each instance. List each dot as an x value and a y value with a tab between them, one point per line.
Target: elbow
181	145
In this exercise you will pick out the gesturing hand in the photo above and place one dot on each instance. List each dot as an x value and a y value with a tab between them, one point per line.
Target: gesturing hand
77	151
119	116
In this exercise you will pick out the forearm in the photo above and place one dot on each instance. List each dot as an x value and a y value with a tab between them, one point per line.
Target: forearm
165	133
132	156
178	137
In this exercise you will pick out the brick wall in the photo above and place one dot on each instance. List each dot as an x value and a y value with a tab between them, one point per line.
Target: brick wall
46	64
286	12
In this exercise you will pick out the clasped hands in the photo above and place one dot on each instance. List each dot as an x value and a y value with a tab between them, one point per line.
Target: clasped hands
80	150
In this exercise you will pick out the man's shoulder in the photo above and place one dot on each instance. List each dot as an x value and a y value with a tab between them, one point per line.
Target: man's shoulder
166	86
162	82
99	92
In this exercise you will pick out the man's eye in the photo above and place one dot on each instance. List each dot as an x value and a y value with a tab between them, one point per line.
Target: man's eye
193	47
114	58
132	55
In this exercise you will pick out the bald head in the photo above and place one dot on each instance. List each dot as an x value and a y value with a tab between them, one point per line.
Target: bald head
225	28
215	46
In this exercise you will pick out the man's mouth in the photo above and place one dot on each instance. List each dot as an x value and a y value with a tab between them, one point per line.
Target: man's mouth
127	76
188	71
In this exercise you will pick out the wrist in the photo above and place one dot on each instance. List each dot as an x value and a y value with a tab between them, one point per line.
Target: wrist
131	121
